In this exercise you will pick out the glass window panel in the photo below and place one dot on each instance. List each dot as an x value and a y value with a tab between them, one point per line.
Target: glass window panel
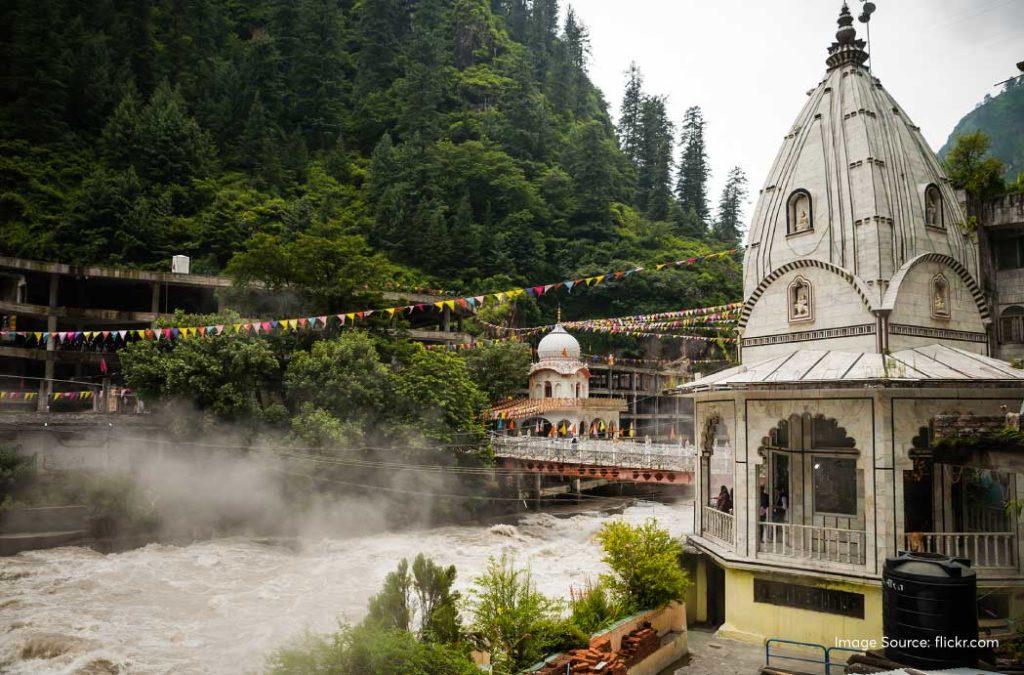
835	485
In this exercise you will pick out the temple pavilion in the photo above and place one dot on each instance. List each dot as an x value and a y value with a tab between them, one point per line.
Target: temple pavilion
864	325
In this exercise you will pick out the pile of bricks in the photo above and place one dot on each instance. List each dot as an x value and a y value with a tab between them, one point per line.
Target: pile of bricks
598	659
639	644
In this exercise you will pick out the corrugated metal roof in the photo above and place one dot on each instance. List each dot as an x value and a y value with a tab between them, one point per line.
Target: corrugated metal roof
933	363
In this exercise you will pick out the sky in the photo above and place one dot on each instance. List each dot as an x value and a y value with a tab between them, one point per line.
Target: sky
749	63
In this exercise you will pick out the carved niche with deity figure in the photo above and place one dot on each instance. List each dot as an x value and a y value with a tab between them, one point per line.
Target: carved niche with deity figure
933	207
799	213
800	300
940	297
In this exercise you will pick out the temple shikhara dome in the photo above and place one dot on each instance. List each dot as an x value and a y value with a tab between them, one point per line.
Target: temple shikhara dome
865	342
857	242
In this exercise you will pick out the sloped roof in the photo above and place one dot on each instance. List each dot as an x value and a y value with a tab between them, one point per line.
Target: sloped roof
921	365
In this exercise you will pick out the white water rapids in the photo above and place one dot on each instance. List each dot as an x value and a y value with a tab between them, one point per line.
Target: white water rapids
222	606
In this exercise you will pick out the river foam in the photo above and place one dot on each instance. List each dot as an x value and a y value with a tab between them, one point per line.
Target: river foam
223	605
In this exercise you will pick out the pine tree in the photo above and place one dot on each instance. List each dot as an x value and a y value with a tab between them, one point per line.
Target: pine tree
543	31
629	114
571	71
319	71
728	225
654	191
518	19
694	169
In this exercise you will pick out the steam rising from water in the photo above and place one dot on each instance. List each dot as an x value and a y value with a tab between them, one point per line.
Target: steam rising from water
224	605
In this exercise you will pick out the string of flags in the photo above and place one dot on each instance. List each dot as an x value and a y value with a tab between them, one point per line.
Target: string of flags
697	316
83	395
469	303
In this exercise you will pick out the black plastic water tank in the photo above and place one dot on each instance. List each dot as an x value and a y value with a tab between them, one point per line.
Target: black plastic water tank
929	603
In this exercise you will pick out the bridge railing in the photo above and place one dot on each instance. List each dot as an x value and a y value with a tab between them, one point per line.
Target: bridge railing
625	454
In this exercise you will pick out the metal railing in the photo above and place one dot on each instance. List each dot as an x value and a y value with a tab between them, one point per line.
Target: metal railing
717	524
811	542
984	549
826	659
626	454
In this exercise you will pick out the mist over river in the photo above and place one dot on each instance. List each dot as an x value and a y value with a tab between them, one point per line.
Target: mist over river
223	605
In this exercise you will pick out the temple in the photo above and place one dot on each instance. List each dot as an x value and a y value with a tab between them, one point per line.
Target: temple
865	336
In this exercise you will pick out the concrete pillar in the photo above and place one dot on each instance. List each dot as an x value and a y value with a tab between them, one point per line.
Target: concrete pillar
537	486
43	404
519	490
446	319
154	305
576	488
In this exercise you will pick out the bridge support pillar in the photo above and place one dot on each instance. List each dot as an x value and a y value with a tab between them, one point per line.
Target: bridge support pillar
576	489
537	485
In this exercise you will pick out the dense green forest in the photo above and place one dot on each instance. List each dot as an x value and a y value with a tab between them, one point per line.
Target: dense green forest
1001	118
443	143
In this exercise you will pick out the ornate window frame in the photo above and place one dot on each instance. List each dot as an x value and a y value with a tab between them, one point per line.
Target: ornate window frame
799	281
939	284
791	216
932	190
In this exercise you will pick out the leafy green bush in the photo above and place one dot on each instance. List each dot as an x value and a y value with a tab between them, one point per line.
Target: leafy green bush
645	565
425	594
116	505
17	473
592	608
367	650
516	623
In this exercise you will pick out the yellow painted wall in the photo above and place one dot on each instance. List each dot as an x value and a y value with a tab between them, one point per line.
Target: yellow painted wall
755	621
697	594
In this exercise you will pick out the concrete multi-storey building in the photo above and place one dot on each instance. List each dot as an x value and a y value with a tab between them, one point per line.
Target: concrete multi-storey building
38	296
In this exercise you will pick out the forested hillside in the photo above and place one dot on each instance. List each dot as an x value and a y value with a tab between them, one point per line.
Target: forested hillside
1001	118
458	143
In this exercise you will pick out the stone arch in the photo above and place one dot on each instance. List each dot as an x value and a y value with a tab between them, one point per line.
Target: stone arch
858	285
811	475
715	468
1011	324
536	426
799	212
889	299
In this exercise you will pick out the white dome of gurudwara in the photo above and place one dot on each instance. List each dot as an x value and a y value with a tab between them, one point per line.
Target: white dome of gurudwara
558	344
856	243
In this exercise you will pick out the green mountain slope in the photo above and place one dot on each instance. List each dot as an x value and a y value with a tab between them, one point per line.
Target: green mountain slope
1002	119
461	139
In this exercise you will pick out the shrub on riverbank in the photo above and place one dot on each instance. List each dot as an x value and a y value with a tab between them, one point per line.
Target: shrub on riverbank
516	623
644	560
17	473
412	627
368	649
592	608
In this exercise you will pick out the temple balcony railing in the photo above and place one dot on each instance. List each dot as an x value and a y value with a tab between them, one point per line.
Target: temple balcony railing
597	452
812	542
985	550
717	525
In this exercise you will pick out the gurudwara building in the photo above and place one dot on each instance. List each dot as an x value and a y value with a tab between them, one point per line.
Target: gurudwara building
863	326
559	402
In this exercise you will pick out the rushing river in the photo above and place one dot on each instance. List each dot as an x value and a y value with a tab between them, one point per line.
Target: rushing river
222	606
